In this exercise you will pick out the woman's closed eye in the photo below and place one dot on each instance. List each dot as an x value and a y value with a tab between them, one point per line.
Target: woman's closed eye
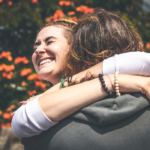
49	42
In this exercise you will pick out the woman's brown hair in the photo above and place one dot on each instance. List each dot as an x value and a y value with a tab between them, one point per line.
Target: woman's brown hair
98	36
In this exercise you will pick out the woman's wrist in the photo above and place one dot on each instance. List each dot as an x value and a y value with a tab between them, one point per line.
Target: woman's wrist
129	83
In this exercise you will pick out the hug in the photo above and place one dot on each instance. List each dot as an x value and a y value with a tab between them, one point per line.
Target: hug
84	115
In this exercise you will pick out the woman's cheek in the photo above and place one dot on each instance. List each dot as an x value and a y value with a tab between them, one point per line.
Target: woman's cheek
34	61
33	58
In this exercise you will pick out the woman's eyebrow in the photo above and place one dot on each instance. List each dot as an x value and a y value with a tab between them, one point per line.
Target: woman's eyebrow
50	37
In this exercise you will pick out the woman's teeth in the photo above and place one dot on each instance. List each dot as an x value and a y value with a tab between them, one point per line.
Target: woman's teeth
45	61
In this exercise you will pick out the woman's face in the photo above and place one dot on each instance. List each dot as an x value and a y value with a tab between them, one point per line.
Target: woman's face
50	49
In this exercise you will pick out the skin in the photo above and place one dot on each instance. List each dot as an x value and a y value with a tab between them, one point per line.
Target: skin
52	45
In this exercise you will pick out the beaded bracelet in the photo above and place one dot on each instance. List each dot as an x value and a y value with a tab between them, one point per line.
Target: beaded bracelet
104	86
117	84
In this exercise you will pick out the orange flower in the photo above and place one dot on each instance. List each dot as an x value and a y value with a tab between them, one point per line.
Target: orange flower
61	3
12	67
7	116
148	45
25	60
4	54
37	83
1	1
8	68
8	124
40	84
43	86
34	1
75	19
0	112
67	3
37	77
78	8
9	58
48	19
32	92
25	72
85	9
8	53
3	125
9	76
89	10
71	13
1	68
31	77
18	60
4	75
55	16
10	108
60	13
23	83
9	2
21	59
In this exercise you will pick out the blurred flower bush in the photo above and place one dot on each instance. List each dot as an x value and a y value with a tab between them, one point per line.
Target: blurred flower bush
18	83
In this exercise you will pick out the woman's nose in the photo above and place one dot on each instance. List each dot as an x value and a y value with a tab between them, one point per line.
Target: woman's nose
40	50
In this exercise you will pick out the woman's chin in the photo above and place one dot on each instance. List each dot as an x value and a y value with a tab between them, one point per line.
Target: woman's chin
45	75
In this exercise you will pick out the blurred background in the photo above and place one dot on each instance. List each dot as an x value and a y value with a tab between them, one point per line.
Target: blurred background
19	22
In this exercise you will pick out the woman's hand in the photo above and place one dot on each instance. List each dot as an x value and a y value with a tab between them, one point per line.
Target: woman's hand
30	99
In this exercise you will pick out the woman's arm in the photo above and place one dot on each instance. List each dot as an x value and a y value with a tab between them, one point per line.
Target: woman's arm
35	117
73	98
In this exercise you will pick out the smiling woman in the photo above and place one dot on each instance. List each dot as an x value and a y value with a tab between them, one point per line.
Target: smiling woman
52	45
50	50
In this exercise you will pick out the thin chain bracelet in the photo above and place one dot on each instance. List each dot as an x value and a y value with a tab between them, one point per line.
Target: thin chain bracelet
104	86
117	84
111	82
